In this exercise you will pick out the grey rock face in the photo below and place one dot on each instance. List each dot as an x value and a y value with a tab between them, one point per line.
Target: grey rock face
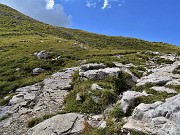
161	76
37	71
27	93
100	74
92	66
36	101
44	54
162	118
173	82
70	123
163	89
128	98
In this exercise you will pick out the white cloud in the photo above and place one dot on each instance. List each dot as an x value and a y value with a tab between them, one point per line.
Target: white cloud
49	4
42	10
105	5
90	4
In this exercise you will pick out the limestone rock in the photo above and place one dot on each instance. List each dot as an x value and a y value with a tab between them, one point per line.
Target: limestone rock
160	76
78	97
162	118
163	89
44	54
100	74
70	123
173	82
92	66
128	98
96	87
28	89
37	71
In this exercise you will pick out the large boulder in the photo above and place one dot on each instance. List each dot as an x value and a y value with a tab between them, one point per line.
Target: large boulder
70	123
128	99
162	118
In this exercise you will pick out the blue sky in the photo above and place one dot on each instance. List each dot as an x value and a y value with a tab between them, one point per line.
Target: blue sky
152	20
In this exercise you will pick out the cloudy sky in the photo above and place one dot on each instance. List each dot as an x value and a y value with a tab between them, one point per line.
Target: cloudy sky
152	20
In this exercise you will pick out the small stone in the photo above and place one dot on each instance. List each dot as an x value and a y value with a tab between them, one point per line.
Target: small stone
37	71
103	125
96	87
78	97
95	99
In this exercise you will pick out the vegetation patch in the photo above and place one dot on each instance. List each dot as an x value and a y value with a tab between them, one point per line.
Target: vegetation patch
4	117
5	100
156	96
175	87
163	61
117	112
94	101
34	121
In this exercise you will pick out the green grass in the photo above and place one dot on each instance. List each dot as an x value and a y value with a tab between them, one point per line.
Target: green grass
175	87
117	112
156	96
163	61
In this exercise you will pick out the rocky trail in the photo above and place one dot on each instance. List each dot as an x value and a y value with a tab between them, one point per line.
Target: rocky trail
47	99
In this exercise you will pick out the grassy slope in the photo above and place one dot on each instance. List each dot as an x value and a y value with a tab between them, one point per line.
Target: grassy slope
21	36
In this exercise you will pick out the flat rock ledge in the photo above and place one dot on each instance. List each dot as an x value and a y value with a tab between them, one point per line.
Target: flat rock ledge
70	123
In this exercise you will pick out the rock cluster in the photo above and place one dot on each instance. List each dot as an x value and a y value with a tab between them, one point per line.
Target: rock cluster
161	76
162	118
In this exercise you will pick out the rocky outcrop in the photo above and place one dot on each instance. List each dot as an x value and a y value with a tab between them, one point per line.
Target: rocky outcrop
162	118
36	101
160	76
70	123
128	99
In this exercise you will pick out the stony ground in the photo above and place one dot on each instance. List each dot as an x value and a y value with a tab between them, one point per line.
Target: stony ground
47	97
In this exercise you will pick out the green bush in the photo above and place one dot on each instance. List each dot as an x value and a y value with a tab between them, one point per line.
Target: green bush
117	112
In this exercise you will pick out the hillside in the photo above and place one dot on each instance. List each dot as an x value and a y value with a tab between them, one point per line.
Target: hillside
31	51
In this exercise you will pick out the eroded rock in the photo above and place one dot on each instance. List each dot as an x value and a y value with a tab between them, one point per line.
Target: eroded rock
128	98
70	123
43	54
162	118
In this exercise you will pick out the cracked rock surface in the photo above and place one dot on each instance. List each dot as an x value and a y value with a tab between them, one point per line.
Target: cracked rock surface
64	124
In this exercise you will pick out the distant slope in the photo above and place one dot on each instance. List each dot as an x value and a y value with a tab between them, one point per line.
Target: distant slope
14	23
